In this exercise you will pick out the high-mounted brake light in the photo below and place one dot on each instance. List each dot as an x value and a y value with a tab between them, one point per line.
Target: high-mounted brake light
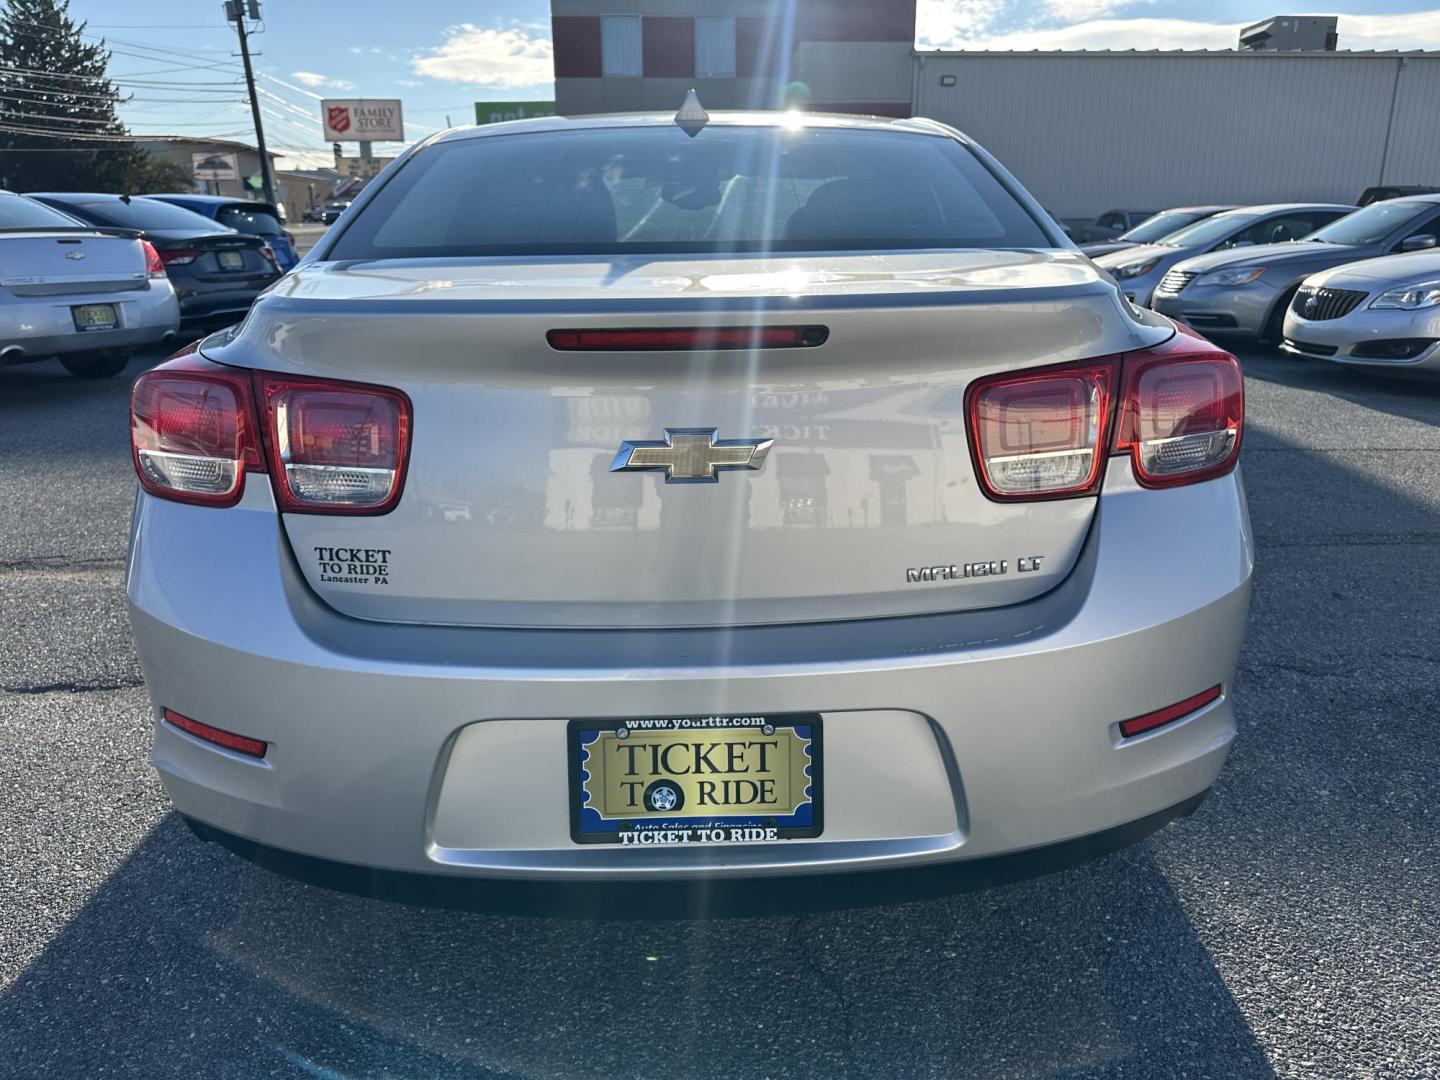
241	744
331	447
1179	413
337	448
691	338
192	431
1138	725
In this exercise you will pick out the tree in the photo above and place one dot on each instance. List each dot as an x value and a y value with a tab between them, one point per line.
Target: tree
158	175
58	127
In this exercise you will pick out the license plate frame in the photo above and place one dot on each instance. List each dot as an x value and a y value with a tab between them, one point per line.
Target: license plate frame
84	327
798	777
230	260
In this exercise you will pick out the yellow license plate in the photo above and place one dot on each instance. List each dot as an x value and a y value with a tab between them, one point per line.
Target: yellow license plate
695	779
95	317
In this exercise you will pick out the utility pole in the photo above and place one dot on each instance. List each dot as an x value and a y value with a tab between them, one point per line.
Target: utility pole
235	11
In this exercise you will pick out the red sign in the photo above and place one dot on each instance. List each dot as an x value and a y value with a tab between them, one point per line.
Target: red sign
337	117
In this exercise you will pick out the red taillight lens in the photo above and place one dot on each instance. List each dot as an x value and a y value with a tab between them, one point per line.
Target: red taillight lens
241	744
178	256
690	338
1168	715
335	447
1182	412
154	267
192	433
1042	434
269	253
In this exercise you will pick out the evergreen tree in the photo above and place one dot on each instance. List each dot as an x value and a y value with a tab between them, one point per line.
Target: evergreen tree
58	127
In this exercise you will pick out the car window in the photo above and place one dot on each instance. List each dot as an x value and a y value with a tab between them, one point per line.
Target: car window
1112	220
145	214
1153	228
1372	224
1271	230
654	190
1211	230
18	213
1318	219
254	222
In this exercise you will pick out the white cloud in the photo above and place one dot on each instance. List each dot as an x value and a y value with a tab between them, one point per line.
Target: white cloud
314	80
485	56
1073	11
942	23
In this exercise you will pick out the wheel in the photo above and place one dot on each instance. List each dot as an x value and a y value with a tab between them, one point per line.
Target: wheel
101	364
1274	331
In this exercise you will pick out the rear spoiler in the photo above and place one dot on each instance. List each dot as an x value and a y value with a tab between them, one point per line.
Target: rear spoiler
103	230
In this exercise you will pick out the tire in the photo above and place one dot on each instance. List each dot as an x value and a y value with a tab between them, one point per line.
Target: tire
101	364
1275	325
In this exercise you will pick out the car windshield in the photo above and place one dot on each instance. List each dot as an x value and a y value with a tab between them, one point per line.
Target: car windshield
657	190
1208	231
254	222
1152	229
20	213
1372	224
145	214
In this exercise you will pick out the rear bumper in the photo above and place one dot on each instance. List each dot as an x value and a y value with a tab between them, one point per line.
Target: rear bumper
43	326
440	751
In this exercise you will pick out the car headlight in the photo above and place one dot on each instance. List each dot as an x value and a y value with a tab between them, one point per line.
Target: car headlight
1235	275
1409	297
1134	270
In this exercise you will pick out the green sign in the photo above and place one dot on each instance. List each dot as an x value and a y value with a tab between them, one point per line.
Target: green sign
493	112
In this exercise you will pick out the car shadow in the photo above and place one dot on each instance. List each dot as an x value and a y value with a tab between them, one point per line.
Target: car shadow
1404	394
190	962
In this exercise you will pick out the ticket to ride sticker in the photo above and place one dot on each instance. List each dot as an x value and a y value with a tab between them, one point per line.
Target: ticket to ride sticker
695	779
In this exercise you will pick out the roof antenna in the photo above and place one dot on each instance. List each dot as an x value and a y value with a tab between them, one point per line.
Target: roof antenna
692	115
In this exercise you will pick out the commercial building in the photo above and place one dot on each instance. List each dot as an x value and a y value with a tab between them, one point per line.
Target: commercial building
1292	33
218	166
642	55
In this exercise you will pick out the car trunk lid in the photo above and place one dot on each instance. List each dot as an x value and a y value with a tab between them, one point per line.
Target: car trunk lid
46	263
513	513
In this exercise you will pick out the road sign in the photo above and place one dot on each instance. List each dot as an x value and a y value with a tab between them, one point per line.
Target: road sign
493	112
362	119
205	166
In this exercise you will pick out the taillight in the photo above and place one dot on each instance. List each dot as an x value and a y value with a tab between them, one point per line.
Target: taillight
192	431
1182	412
331	447
154	266
1042	434
269	253
335	447
1178	413
689	338
178	256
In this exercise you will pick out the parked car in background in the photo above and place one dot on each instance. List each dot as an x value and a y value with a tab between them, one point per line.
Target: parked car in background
242	215
1110	225
217	272
1379	313
1140	269
1382	192
829	700
313	214
331	211
1244	292
1154	228
89	296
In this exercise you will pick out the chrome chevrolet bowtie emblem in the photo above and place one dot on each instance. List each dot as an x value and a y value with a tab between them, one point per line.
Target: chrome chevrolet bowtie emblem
75	254
691	455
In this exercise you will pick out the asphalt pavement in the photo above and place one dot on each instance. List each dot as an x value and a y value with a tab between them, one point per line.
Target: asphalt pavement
1291	927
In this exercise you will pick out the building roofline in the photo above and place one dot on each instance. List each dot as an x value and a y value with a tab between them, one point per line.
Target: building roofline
207	142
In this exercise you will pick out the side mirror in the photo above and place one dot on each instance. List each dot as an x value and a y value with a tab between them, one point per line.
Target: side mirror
1417	243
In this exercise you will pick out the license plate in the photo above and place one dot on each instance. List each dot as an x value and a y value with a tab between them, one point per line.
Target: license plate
231	260
95	317
695	780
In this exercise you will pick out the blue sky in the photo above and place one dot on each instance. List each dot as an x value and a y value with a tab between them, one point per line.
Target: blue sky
440	56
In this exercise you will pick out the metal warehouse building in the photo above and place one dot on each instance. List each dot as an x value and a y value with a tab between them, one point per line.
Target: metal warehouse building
1088	131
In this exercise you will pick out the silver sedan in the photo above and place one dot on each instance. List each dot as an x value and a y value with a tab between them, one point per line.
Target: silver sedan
1380	313
757	509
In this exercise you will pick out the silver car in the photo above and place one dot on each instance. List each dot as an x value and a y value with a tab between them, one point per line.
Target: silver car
1381	313
1244	292
745	486
1139	270
87	295
1154	228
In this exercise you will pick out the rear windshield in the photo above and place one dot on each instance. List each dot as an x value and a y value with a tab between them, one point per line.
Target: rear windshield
18	213
656	190
146	214
254	222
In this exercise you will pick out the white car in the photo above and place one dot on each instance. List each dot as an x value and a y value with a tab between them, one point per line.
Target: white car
1378	313
88	295
719	497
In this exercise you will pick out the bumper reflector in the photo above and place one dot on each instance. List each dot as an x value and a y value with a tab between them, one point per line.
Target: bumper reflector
1148	722
228	739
